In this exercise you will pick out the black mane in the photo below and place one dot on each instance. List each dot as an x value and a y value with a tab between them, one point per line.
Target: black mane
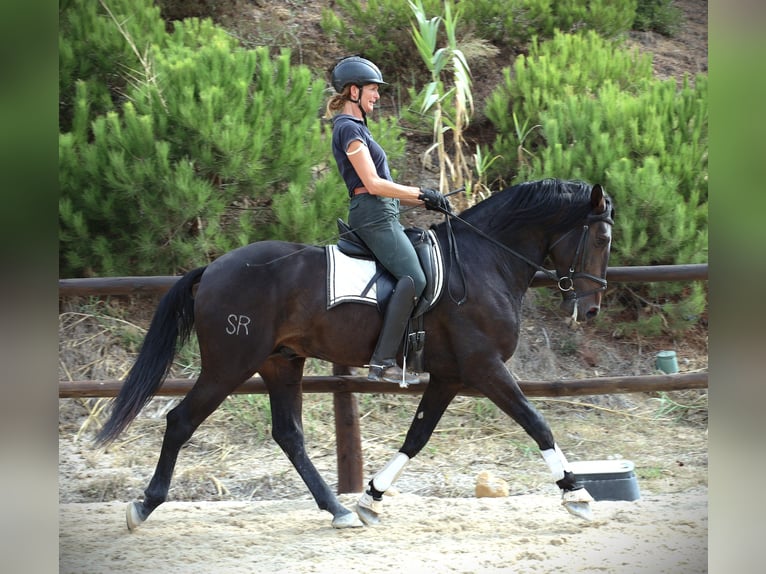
555	203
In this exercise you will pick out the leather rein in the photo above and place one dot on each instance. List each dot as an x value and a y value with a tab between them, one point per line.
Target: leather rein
565	284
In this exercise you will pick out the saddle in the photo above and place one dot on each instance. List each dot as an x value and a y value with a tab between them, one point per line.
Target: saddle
429	254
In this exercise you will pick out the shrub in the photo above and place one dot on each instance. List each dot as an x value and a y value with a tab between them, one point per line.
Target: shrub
660	16
379	28
509	22
186	165
605	119
608	18
566	64
93	49
515	22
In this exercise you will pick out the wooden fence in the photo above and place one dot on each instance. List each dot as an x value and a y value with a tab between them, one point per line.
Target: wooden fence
343	385
157	285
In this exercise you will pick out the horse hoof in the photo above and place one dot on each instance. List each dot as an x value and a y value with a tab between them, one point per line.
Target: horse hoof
349	520
369	517
577	502
579	509
133	516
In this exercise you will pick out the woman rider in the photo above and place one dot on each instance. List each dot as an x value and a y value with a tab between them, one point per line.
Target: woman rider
374	204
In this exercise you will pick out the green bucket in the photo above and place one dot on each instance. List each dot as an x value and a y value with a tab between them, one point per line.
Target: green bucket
667	362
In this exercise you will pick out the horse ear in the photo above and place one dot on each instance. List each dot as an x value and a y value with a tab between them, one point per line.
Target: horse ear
597	199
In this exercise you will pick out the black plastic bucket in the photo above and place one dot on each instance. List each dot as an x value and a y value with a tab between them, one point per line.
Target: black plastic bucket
608	479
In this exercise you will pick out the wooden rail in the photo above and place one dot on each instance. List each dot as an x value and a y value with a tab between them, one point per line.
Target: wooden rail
158	284
355	384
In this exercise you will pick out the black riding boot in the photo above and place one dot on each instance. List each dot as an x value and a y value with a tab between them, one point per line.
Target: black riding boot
383	366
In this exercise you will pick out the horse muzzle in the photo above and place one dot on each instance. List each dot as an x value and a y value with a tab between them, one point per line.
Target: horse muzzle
579	307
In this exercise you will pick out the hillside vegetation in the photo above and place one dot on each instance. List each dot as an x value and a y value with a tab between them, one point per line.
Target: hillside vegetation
188	129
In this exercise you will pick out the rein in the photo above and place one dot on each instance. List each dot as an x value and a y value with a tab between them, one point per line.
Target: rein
565	284
454	255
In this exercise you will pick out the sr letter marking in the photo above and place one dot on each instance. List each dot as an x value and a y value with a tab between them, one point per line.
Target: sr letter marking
237	324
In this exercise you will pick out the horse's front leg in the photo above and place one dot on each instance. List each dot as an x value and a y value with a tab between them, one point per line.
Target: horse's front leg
282	380
432	405
502	389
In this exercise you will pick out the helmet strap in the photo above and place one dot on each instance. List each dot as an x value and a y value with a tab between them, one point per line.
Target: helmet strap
358	102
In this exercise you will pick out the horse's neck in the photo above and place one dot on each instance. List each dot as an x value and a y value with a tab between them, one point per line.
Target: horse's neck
531	246
516	273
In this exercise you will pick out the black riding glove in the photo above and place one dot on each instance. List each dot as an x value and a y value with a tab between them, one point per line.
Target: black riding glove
434	200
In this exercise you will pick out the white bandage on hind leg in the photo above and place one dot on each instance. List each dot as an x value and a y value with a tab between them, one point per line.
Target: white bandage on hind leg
388	475
556	460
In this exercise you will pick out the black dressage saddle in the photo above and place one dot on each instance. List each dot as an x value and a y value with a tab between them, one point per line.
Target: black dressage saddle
429	255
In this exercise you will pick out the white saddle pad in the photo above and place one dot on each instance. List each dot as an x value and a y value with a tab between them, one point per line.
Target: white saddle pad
347	278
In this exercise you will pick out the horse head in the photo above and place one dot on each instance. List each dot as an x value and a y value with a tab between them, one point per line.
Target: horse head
581	256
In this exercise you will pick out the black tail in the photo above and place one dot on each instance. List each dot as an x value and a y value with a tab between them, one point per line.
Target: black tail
170	328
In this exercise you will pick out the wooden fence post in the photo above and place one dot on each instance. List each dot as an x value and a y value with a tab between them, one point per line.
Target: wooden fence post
348	438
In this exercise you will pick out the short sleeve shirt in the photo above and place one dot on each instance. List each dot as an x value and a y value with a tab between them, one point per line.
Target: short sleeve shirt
346	129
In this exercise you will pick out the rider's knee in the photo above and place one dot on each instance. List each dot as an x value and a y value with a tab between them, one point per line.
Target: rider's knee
419	281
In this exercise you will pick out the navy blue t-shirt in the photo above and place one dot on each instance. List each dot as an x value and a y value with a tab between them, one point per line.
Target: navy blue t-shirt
345	129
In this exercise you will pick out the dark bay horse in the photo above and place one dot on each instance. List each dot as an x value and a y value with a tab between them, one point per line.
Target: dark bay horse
262	308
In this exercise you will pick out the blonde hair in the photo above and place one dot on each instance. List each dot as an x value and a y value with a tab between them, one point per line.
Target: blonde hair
335	103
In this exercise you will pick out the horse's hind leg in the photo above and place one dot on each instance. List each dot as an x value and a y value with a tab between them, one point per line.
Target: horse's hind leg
206	395
282	376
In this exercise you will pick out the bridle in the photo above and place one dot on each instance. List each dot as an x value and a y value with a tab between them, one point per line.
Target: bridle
565	284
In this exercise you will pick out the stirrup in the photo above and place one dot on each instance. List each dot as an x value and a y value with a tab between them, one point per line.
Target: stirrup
392	374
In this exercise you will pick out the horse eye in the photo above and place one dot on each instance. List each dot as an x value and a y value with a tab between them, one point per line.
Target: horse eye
601	241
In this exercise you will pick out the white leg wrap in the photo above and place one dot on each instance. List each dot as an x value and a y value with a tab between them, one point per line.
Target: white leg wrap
388	475
556	460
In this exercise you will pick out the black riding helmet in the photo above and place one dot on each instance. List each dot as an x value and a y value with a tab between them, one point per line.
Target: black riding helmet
357	71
